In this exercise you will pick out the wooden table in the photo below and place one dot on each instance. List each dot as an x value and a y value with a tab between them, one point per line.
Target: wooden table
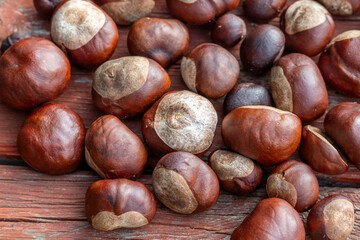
39	206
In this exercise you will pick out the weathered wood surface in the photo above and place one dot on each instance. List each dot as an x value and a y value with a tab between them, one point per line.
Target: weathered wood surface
35	205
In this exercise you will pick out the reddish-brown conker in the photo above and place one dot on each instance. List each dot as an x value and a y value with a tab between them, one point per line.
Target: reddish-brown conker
294	182
210	70
46	7
51	139
128	86
263	11
33	71
307	26
298	87
163	40
12	39
185	183
272	219
119	203
84	32
113	150
265	134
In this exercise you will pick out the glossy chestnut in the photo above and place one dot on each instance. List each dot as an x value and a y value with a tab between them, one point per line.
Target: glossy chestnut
128	86
331	218
33	71
112	150
51	140
236	173
119	203
185	183
247	94
228	30
342	7
320	152
268	135
12	39
163	40
297	86
339	63
180	121
263	11
210	70
200	11
126	12
342	124
46	7
294	182
262	47
84	32
307	26
272	219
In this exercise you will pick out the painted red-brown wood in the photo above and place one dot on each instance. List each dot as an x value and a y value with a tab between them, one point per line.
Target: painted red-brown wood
34	205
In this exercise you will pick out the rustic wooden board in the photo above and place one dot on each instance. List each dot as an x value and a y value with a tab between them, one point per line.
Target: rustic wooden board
35	205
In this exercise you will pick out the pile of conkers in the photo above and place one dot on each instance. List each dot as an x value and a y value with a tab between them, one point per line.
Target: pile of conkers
180	126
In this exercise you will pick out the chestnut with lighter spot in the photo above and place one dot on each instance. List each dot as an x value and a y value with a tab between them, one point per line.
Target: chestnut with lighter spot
119	203
341	7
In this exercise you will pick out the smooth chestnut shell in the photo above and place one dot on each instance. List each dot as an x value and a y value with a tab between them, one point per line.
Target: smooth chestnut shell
46	7
263	11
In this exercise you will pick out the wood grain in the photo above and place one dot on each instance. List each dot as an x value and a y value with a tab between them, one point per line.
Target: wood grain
35	205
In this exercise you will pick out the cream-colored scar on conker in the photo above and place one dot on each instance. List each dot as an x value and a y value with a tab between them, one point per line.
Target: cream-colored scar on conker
229	165
281	89
186	121
107	221
277	186
91	163
304	15
121	77
173	191
338	7
339	219
344	36
188	73
127	12
188	1
75	23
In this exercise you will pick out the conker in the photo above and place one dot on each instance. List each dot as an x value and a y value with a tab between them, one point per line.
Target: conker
210	70
307	26
46	7
262	11
262	47
119	203
247	94
341	7
331	218
228	30
12	39
265	134
340	63
33	71
200	11
51	140
185	183
126	12
236	173
163	40
128	86
342	124
180	121
272	219
112	150
320	152
294	182
297	86
84	32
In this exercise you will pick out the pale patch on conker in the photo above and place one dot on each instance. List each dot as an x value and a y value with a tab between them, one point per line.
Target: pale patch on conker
173	191
229	165
339	219
186	121
92	164
121	77
107	221
281	90
188	73
304	15
344	36
278	187
338	7
75	23
188	1
127	12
